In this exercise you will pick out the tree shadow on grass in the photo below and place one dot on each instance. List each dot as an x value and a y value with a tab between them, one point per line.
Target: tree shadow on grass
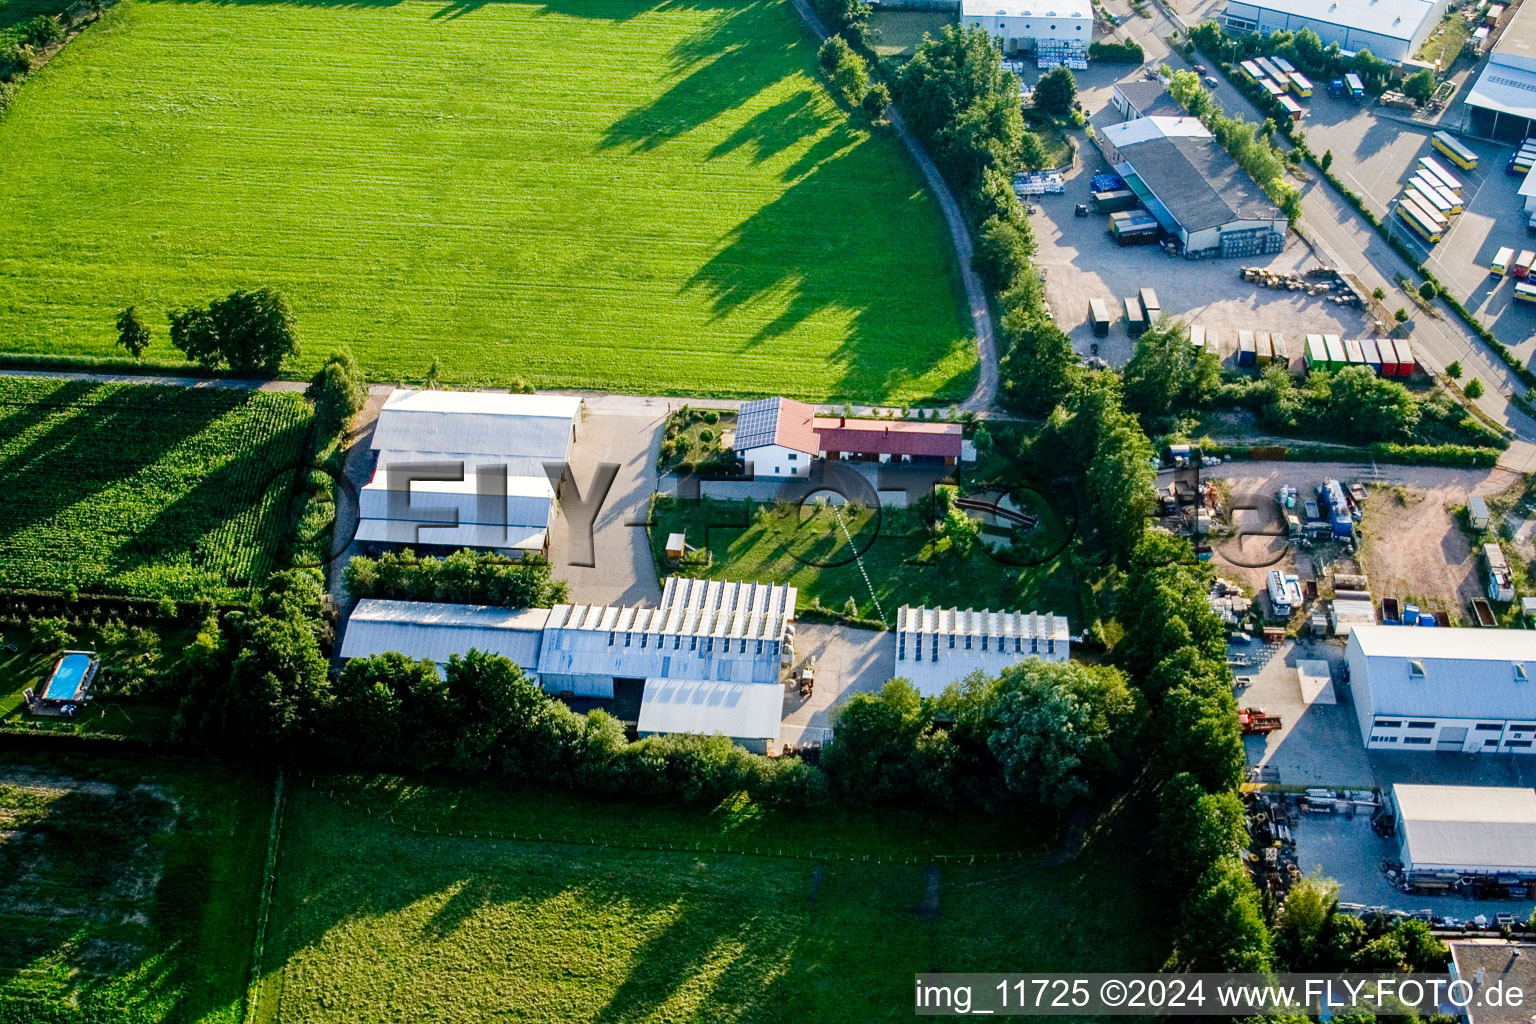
740	53
770	132
809	252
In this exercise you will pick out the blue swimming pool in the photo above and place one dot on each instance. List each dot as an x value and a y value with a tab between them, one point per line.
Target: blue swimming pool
67	676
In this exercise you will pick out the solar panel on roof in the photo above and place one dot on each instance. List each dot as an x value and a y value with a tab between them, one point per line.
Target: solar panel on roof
757	423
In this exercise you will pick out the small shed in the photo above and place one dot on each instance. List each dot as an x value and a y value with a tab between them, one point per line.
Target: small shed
1336	354
1372	353
1150	305
677	546
1246	348
1316	352
1263	348
1477	512
1098	316
1388	357
1135	319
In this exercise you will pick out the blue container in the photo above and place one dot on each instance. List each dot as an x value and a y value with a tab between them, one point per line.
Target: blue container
1410	614
1428	619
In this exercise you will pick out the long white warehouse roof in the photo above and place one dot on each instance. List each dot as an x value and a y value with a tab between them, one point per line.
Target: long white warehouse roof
744	711
1026	9
426	629
1394	19
1478	827
477	422
1449	672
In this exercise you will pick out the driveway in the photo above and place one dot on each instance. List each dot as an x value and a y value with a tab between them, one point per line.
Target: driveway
605	558
848	661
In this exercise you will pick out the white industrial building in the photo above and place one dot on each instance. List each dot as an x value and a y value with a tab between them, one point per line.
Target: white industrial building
747	714
1393	30
735	637
939	646
1197	193
1444	689
509	447
775	438
1027	24
1466	830
1503	99
426	630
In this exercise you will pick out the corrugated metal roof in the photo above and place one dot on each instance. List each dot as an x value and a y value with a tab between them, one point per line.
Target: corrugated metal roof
467	535
735	710
423	629
1449	672
779	421
1394	19
1491	827
939	646
529	501
1026	8
477	422
516	465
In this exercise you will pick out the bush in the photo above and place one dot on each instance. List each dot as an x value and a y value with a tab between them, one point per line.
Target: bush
464	577
876	101
1474	388
1428	291
1435	454
1056	91
338	391
710	416
1111	51
1454	369
1002	254
42	32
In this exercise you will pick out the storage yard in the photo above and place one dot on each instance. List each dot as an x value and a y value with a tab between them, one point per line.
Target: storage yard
1082	262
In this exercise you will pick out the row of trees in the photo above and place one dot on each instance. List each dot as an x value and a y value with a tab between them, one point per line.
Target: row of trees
464	577
248	331
1175	647
850	77
1353	403
1044	734
1251	145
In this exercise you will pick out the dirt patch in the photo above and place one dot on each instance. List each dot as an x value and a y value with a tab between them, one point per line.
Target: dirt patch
46	783
1411	547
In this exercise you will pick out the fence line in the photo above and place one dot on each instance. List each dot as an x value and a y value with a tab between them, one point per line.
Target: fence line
994	857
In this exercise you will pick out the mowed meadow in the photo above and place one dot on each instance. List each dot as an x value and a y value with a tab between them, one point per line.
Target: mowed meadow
633	195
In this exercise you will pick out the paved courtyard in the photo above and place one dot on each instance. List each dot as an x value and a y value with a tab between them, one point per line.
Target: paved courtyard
615	565
848	661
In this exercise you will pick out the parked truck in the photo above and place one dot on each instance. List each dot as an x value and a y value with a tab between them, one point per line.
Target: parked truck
1355	88
1256	720
1332	495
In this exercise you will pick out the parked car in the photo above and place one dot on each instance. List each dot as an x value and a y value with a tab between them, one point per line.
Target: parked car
1212	81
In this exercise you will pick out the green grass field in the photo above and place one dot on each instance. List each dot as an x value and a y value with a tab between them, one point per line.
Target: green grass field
615	194
144	490
128	889
807	548
376	923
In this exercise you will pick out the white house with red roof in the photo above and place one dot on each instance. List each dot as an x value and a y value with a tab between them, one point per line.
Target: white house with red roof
774	437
